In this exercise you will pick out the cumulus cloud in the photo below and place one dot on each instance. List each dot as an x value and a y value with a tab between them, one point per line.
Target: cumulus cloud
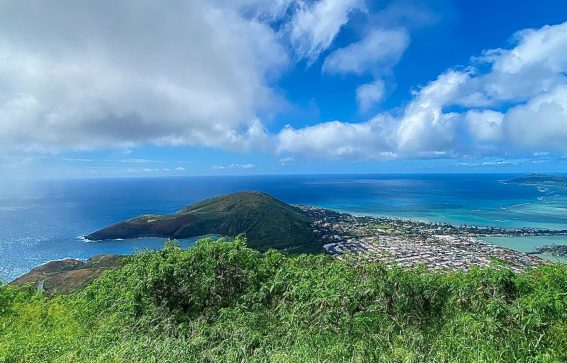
79	74
485	125
422	130
314	27
339	140
76	75
261	9
369	94
535	65
464	111
380	49
376	54
540	124
424	127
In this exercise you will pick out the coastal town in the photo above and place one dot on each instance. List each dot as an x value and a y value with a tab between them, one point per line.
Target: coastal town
408	243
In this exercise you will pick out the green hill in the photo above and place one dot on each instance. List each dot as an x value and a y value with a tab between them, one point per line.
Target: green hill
266	221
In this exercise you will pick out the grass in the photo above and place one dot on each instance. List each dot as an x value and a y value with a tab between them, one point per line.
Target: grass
224	302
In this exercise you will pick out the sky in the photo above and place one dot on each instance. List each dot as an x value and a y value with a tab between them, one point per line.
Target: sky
152	88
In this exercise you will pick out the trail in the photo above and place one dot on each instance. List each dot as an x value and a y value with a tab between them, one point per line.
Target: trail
40	285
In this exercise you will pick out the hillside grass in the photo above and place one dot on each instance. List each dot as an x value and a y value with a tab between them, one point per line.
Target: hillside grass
224	302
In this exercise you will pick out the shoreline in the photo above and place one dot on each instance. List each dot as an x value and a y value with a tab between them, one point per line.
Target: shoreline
442	219
478	230
407	243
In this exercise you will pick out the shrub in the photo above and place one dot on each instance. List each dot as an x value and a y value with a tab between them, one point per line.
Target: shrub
221	301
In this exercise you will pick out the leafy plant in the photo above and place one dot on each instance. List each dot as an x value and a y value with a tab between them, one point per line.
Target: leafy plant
222	301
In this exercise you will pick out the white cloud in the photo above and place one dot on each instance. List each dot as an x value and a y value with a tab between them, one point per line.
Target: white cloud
261	9
139	161
339	140
424	127
180	168
370	94
234	166
535	65
485	126
81	75
242	166
540	124
422	130
314	27
537	125
377	52
539	48
531	76
75	75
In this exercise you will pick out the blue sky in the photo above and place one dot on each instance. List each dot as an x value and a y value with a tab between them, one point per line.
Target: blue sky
91	89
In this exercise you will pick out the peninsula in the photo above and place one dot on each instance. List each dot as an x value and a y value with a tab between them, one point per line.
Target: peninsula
266	221
66	276
269	223
211	300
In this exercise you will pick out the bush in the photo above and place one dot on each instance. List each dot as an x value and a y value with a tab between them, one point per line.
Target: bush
221	301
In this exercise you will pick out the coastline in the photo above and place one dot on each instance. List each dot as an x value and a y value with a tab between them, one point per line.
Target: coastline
408	243
405	242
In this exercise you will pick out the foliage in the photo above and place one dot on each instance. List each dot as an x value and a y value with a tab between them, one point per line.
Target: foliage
267	222
222	301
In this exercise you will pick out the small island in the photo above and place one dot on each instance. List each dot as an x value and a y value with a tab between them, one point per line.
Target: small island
541	180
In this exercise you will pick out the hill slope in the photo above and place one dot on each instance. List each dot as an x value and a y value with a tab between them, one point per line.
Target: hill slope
266	221
66	276
224	302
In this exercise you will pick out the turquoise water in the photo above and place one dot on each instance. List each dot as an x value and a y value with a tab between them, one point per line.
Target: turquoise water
529	244
41	221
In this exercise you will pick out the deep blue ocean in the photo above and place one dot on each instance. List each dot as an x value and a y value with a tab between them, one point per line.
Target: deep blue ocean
42	221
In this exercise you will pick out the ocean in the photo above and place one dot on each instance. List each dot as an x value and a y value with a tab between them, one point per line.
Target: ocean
43	220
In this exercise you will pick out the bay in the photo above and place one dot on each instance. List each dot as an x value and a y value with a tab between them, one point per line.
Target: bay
43	220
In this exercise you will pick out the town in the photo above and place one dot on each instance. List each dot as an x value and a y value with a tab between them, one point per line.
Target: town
408	243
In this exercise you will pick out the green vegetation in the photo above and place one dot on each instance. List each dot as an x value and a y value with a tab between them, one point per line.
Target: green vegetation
63	277
266	221
224	302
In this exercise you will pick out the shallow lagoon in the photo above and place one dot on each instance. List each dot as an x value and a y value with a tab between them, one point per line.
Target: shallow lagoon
529	244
